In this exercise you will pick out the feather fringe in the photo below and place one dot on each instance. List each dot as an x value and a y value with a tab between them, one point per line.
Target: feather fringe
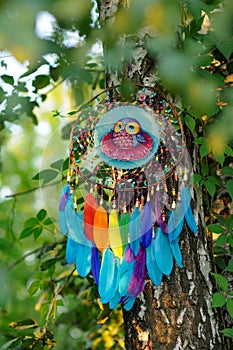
101	228
95	263
162	252
139	274
146	228
134	231
114	234
90	206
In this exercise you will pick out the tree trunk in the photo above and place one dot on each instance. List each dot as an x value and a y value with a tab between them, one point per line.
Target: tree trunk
177	314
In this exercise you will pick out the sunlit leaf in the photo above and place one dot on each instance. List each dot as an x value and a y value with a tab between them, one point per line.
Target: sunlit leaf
23	324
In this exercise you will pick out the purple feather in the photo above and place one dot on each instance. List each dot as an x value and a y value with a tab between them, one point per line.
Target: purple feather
158	214
128	254
95	263
138	278
64	197
146	229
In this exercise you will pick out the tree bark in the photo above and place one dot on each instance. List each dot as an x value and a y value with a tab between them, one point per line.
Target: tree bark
177	314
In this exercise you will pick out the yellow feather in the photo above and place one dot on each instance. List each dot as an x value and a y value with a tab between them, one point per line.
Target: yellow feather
115	234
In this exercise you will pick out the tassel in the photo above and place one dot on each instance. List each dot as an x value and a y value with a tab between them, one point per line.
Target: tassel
134	230
90	206
100	230
146	229
124	228
65	194
152	267
109	277
139	274
115	234
185	201
162	252
95	263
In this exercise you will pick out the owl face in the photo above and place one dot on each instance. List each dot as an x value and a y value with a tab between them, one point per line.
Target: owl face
129	125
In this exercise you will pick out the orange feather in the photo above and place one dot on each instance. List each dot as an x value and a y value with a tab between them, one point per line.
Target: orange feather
100	229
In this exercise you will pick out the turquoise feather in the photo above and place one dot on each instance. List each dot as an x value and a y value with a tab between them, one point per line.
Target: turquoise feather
175	223
128	302
83	260
176	252
162	252
71	251
152	267
109	276
185	201
115	300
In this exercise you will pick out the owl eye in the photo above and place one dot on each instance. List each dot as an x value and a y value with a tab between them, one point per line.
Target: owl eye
118	127
132	128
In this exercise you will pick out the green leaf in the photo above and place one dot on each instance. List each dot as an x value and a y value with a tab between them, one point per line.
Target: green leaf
27	231
219	156
41	214
196	178
211	188
214	180
34	286
24	324
226	170
218	300
8	79
46	175
41	81
199	140
221	281
229	222
48	263
49	221
58	164
229	306
216	228
229	186
204	169
221	240
204	150
37	231
31	222
190	122
229	151
228	332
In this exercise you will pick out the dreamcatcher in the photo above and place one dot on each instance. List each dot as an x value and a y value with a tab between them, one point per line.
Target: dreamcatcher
127	194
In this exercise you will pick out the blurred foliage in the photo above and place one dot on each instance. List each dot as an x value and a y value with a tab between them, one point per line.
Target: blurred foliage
51	64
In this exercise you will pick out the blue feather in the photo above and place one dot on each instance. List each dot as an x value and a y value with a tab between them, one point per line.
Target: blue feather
153	270
83	260
65	194
134	231
162	252
71	251
175	223
95	263
176	252
185	201
128	302
146	229
125	272
109	276
115	300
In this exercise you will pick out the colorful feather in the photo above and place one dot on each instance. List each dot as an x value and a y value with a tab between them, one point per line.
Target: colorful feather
65	194
185	201
71	251
95	263
100	231
128	302
175	223
90	206
139	274
152	267
162	252
134	231
83	260
146	228
114	234
124	228
176	252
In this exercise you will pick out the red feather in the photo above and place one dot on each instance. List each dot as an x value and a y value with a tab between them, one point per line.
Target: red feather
90	206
